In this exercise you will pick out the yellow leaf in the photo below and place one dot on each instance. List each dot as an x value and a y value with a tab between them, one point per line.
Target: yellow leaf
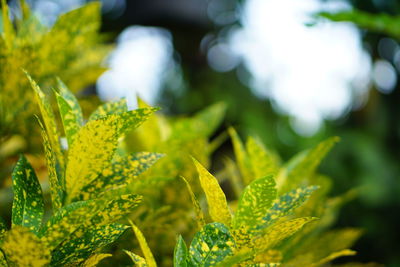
145	248
95	259
199	212
217	205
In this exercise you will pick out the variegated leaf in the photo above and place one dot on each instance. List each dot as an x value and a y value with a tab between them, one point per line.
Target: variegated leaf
23	248
286	204
28	207
254	203
211	245
216	200
86	160
84	242
241	157
109	108
70	98
123	170
262	161
139	261
56	179
69	119
199	213
181	254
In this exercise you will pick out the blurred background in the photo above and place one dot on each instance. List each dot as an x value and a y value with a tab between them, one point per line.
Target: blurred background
288	77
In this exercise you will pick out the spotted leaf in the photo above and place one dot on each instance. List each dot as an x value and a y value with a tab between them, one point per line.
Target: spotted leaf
70	98
286	203
211	245
263	162
216	200
23	248
69	119
86	160
139	261
28	207
199	213
254	203
57	185
181	255
84	242
109	108
241	157
123	170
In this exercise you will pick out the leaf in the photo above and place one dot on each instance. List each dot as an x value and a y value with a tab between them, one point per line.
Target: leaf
114	209
85	159
241	157
84	242
199	213
262	161
93	260
217	205
287	203
145	248
69	119
49	122
28	207
334	255
123	171
381	23
278	232
211	245
3	261
70	98
23	248
57	185
8	28
139	261
296	172
109	108
254	203
181	255
65	221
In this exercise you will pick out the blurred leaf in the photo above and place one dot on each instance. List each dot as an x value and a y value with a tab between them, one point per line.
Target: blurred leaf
199	213
94	260
23	248
145	248
139	261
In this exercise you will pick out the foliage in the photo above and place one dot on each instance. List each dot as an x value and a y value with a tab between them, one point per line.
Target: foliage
69	49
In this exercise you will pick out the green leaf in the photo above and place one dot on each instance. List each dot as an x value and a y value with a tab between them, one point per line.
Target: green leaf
28	207
199	213
278	232
49	122
70	98
65	221
23	248
217	204
69	119
139	261
3	261
241	157
109	108
123	171
181	255
301	168
287	203
86	160
8	28
254	203
57	185
84	242
145	248
262	161
211	245
381	23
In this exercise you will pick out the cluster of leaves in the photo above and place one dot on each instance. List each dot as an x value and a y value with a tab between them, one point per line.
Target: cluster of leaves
266	215
87	183
69	49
